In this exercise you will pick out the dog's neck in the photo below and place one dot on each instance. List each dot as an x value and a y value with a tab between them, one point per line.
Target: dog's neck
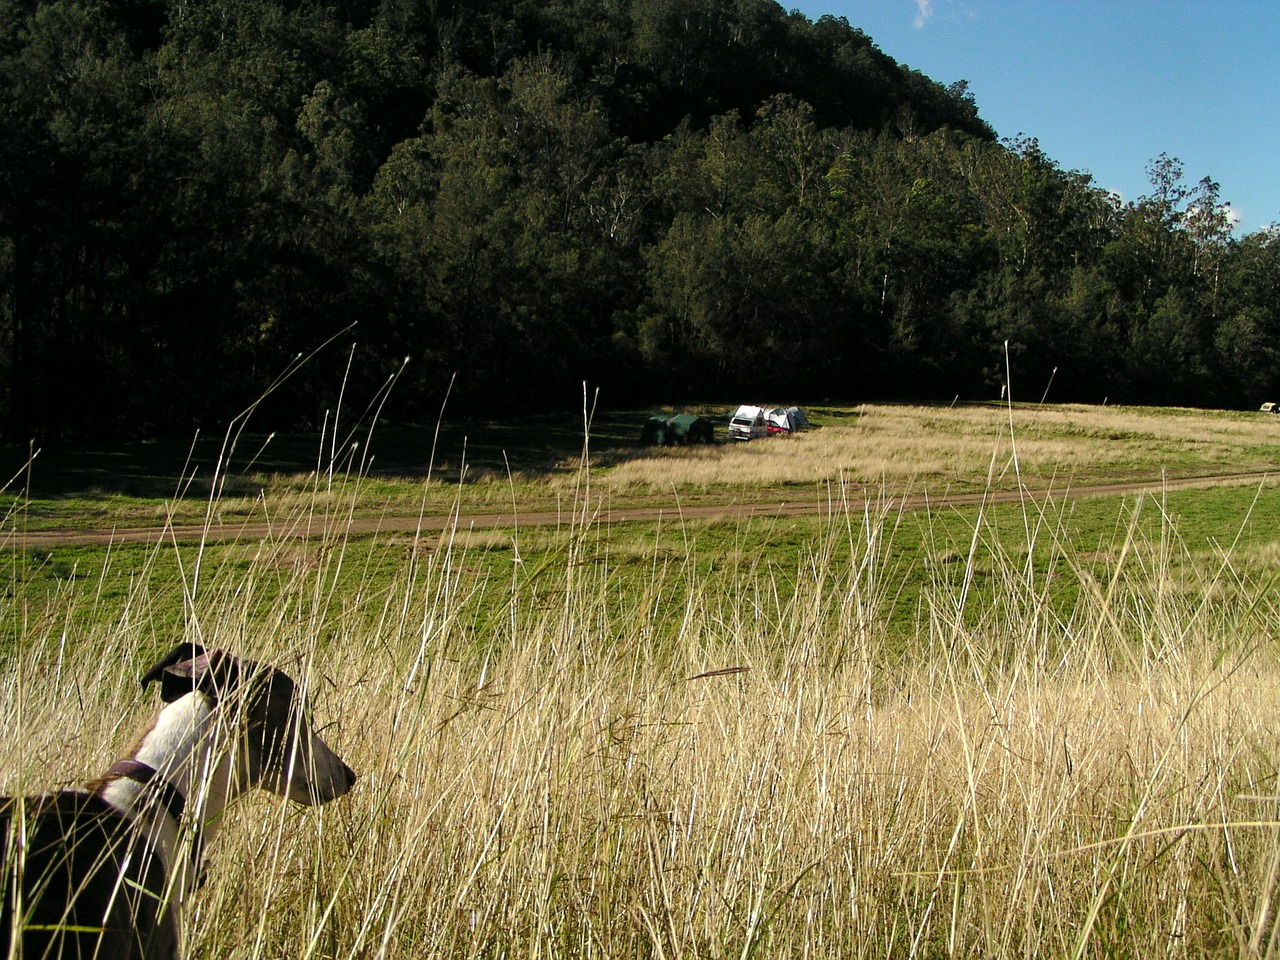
189	748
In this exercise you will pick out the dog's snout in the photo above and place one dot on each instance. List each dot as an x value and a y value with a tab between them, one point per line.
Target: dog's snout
342	779
328	785
340	776
323	777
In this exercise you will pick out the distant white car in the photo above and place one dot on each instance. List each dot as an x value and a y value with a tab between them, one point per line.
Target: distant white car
748	423
1270	408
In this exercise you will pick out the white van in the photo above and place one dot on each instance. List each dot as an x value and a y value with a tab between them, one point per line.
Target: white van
748	423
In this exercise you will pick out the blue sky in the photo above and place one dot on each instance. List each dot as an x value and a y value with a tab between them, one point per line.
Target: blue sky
1106	86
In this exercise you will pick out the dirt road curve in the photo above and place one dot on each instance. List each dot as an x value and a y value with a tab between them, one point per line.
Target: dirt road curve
318	526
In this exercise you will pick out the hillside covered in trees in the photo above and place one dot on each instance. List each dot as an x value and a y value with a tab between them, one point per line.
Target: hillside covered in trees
665	198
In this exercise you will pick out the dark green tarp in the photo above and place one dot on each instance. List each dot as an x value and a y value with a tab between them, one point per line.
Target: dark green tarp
682	428
654	430
686	428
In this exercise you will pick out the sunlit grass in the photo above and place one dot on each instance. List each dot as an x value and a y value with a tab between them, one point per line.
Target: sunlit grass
497	469
584	746
941	448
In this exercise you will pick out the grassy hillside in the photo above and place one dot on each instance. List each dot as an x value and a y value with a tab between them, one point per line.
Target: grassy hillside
534	463
1033	729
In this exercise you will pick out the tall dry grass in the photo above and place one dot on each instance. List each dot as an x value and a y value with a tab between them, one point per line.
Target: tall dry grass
706	766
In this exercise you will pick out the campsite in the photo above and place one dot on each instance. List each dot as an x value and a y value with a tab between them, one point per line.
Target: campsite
745	422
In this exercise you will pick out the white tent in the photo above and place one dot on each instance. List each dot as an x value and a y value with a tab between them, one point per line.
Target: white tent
789	419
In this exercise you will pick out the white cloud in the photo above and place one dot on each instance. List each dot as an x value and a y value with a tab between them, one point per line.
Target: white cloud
951	11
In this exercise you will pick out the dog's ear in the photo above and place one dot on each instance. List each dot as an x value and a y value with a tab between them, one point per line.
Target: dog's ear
188	668
183	651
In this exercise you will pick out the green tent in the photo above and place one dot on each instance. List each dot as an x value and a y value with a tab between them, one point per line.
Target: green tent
683	428
687	428
654	430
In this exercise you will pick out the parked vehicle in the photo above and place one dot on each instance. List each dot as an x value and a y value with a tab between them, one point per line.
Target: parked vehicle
748	423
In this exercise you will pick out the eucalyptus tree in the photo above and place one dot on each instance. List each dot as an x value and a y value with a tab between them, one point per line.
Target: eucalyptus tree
75	97
490	222
1247	337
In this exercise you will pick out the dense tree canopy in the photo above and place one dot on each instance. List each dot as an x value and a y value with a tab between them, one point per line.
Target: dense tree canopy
664	198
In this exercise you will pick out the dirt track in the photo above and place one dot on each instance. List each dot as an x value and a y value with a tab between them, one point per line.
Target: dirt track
314	527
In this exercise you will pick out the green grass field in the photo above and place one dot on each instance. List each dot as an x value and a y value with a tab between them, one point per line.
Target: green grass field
1035	728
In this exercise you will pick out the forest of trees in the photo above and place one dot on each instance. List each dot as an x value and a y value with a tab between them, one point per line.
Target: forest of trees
667	199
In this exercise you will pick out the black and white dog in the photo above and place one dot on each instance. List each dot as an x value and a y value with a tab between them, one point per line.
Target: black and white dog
104	871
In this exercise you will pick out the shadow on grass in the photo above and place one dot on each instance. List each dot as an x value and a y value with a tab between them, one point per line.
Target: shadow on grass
541	445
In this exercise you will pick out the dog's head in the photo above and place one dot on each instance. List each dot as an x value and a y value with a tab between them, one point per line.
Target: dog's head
281	750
